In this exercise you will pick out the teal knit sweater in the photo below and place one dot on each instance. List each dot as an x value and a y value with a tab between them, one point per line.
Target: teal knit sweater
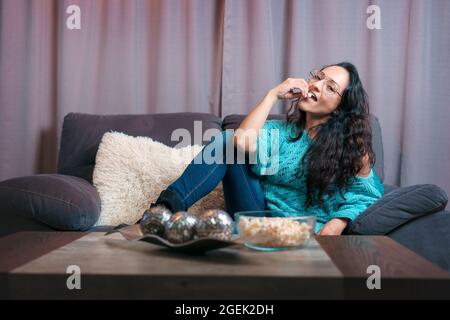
278	164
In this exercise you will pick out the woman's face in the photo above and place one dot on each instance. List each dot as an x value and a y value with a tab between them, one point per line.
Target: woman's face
325	101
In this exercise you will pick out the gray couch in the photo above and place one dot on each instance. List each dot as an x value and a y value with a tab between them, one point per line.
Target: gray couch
68	200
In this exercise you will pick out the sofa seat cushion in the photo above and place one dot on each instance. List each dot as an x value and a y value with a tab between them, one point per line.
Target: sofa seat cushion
58	201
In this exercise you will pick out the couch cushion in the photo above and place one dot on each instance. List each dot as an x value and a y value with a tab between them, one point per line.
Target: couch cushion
57	201
82	133
397	208
131	172
233	121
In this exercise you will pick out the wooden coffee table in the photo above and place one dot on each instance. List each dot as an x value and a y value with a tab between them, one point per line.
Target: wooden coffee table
34	265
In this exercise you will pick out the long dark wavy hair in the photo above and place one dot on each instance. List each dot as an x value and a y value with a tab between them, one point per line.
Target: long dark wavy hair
336	155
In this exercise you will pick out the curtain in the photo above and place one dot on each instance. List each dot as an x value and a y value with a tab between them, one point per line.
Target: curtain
221	57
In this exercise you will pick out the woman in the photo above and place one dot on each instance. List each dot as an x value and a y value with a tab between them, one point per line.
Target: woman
323	159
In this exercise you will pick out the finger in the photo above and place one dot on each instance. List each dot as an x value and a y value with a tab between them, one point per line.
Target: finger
296	90
290	92
284	91
303	85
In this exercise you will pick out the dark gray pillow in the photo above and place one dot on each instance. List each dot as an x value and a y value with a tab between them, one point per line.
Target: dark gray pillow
397	208
59	201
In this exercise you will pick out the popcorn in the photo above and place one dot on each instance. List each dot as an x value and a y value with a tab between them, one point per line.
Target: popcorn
274	232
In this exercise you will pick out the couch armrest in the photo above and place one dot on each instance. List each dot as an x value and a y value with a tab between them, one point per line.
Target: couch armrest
428	236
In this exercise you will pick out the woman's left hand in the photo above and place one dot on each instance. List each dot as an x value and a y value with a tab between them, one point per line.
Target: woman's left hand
334	227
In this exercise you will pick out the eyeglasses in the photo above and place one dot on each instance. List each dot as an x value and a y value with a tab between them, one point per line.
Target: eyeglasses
331	87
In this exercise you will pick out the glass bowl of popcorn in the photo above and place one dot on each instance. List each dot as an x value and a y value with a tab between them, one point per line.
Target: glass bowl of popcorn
270	230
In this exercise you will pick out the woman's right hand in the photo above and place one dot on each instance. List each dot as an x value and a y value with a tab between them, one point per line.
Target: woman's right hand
245	137
283	90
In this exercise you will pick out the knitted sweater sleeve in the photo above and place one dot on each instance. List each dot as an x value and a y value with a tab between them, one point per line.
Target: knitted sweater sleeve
363	192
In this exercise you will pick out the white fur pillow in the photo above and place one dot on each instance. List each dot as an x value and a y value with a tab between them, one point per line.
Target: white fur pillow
130	173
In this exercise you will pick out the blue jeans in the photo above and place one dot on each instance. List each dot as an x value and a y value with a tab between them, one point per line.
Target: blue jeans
242	189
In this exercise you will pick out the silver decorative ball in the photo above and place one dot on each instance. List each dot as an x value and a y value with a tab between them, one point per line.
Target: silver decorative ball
214	223
180	227
154	220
